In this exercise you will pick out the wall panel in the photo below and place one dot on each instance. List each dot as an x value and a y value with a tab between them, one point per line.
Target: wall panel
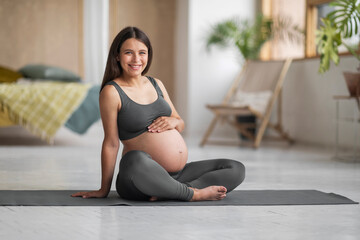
157	19
42	31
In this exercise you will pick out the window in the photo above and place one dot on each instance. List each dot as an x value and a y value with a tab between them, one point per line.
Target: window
315	10
294	12
307	15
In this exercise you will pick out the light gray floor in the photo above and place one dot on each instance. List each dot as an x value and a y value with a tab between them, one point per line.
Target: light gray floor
73	163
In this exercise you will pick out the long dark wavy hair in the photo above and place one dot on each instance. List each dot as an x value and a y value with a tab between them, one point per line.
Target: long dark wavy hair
113	68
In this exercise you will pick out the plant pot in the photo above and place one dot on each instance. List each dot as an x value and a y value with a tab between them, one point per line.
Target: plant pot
352	81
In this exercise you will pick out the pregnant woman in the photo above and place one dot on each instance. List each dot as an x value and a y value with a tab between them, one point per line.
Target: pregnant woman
137	110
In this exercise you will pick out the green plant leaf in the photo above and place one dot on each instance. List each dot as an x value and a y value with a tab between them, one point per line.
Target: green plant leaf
328	39
222	33
249	37
341	23
346	16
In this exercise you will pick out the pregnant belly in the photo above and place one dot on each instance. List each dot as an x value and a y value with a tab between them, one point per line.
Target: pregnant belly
167	148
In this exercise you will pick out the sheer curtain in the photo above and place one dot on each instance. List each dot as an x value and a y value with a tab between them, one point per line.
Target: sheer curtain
96	39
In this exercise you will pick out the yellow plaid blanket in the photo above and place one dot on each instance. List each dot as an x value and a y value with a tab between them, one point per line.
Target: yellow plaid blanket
41	107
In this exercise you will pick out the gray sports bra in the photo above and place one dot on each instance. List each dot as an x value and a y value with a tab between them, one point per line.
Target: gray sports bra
134	118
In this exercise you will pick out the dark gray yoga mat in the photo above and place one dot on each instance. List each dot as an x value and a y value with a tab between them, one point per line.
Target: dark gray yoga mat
235	198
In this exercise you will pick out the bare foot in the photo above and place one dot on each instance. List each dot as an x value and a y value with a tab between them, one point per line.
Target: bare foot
153	199
209	194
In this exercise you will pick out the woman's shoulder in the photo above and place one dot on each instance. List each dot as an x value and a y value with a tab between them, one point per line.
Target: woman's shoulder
109	98
108	92
156	80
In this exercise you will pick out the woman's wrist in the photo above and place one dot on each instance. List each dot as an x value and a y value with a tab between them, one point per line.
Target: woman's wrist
103	192
180	125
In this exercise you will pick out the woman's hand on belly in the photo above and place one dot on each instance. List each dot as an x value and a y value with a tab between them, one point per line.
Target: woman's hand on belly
162	124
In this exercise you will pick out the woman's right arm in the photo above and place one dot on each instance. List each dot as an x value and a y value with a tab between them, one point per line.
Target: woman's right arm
109	105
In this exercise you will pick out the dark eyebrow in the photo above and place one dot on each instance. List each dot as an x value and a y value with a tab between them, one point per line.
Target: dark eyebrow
133	50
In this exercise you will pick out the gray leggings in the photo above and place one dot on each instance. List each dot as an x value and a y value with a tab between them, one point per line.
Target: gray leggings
140	177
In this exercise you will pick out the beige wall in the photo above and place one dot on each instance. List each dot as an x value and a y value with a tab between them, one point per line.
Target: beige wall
157	19
42	31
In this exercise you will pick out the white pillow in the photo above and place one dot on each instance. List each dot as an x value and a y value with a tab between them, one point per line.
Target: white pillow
257	101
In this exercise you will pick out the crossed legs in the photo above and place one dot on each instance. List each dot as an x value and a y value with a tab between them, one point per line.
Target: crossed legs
141	178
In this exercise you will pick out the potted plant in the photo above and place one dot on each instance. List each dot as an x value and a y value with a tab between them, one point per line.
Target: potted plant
249	38
341	23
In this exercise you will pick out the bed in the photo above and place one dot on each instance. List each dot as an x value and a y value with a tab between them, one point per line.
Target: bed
44	98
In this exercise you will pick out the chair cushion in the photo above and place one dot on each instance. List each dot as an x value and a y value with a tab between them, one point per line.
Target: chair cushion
257	101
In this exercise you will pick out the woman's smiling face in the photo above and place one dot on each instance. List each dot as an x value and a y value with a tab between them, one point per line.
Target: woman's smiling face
133	57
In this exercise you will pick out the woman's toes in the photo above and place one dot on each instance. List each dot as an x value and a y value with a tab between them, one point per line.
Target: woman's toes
153	199
222	189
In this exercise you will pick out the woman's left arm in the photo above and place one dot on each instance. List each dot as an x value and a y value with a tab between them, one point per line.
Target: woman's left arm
162	124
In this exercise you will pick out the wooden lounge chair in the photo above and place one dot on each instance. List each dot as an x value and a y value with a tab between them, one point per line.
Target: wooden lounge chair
253	93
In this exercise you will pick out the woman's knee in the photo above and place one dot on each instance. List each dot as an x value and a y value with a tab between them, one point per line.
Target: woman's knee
238	170
133	166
